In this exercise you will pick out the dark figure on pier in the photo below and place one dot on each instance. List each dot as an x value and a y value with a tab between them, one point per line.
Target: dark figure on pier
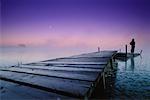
132	43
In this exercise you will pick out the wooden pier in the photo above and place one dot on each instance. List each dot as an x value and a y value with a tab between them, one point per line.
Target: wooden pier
69	77
121	56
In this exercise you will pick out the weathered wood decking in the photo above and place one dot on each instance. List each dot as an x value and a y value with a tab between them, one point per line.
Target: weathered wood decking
69	77
124	57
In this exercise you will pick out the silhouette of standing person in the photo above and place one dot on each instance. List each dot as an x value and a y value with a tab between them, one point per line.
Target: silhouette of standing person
132	43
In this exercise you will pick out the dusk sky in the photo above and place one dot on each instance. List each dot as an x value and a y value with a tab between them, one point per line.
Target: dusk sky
74	23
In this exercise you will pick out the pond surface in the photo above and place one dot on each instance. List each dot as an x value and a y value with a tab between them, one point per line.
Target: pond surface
133	78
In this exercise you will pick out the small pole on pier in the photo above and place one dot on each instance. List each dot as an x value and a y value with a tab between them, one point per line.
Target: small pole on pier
126	50
98	49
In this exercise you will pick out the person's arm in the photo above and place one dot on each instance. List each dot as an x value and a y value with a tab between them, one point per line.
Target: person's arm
131	43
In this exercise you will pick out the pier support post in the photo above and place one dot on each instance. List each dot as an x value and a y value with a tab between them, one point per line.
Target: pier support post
126	50
104	83
111	63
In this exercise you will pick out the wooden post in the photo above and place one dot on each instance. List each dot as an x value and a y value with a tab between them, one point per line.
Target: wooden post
126	50
104	83
111	63
98	49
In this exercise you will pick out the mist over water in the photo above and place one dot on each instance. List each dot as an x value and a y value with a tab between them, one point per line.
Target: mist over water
14	55
132	78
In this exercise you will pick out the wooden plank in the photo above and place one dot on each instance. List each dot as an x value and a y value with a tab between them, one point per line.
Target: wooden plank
101	66
58	68
121	54
73	63
80	59
74	87
67	67
45	65
13	91
96	54
74	75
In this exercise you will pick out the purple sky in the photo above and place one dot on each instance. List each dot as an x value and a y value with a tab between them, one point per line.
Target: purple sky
74	23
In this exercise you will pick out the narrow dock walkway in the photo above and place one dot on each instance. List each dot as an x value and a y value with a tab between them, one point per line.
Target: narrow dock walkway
121	56
68	77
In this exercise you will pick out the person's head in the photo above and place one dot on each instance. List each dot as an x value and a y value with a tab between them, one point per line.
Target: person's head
132	39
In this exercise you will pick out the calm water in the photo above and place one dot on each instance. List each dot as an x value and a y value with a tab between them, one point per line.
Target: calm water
132	80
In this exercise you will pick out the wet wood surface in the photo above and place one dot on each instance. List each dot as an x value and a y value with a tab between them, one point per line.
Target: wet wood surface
69	76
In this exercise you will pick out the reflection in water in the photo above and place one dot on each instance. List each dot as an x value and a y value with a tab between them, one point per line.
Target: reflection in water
132	63
131	66
125	65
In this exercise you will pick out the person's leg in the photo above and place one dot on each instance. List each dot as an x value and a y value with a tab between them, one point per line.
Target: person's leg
132	49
